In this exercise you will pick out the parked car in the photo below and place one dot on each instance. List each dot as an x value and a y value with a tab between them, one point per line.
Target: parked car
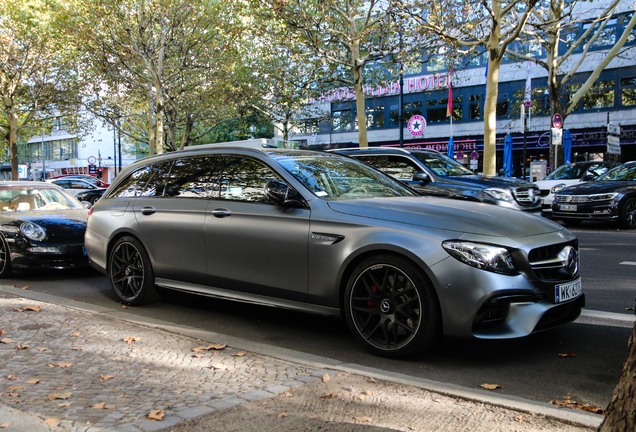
611	197
40	226
74	186
323	233
89	178
568	175
91	195
433	173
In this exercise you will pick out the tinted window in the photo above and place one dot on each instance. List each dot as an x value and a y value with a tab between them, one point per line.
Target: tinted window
194	177
135	184
245	179
395	166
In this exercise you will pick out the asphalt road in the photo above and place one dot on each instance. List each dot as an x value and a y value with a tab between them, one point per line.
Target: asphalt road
534	368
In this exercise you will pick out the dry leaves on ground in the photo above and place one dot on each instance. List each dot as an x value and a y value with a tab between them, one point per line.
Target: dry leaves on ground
491	386
156	415
568	402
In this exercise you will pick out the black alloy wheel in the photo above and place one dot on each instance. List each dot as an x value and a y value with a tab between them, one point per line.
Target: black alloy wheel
391	307
131	274
627	215
5	258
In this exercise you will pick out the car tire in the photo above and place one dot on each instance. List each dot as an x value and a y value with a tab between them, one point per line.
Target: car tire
130	272
94	199
627	214
5	259
391	307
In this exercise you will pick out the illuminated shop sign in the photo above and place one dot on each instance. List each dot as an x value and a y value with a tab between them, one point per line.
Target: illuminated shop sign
411	85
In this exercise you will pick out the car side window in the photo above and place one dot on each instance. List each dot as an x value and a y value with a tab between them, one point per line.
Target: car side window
136	183
244	179
194	177
396	166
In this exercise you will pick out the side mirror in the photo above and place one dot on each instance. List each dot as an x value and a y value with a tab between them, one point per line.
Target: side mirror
281	194
421	177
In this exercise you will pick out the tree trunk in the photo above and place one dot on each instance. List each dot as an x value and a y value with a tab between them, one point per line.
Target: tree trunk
621	412
490	117
13	143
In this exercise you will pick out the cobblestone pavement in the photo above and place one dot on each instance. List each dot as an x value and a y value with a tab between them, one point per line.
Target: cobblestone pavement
66	369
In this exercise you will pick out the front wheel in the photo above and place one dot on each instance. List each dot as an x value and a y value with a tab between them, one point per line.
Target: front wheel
130	273
391	307
627	215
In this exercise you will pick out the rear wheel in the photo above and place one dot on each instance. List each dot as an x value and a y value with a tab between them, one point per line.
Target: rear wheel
391	307
627	214
131	274
5	258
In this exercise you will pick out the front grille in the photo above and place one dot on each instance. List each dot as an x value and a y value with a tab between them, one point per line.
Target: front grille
527	196
571	198
548	266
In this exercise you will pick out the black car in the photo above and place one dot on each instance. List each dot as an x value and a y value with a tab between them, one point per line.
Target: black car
432	173
91	195
612	197
40	226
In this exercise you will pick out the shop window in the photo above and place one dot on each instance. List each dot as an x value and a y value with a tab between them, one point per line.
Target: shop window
342	120
628	92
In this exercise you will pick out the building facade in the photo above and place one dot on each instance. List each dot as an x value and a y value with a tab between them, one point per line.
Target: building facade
425	95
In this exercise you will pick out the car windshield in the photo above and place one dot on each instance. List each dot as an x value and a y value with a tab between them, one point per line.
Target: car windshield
442	165
14	199
567	172
620	173
332	178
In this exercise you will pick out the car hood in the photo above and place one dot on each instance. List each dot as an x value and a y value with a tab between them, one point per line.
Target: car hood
451	215
61	225
595	187
483	182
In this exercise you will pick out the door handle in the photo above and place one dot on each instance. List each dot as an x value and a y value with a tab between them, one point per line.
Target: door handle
148	210
221	213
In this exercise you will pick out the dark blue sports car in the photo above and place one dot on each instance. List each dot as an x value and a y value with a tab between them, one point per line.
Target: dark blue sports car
40	226
612	197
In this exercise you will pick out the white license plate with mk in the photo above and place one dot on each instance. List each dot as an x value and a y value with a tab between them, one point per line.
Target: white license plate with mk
567	291
567	207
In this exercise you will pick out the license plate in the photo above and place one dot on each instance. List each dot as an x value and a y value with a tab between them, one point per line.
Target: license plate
567	291
567	207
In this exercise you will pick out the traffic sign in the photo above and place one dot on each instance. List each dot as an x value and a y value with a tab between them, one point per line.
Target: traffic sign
557	121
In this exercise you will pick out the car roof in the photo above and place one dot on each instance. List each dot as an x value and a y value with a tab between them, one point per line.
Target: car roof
27	184
383	150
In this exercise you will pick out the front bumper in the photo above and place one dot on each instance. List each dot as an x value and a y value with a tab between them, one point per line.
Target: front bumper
50	257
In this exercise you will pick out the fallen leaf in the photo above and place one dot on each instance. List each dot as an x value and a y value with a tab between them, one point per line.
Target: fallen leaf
60	395
240	354
363	419
7	341
325	378
124	306
76	334
329	396
5	425
367	393
53	422
63	365
12	377
41	349
105	377
15	388
64	404
156	415
211	347
568	402
33	381
564	355
131	339
30	309
491	386
22	347
1	332
286	394
281	415
24	287
98	405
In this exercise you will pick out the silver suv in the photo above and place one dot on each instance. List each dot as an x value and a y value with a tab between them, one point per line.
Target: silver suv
326	234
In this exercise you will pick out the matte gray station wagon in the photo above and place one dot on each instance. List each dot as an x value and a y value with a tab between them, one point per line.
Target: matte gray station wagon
323	233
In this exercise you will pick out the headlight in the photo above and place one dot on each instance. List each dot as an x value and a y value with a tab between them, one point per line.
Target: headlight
33	231
557	188
602	197
500	194
486	257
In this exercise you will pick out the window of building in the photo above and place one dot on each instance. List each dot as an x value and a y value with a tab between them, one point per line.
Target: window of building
375	117
342	120
475	106
628	92
600	96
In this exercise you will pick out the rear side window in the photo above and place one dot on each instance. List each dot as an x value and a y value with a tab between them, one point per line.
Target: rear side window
245	179
194	177
136	183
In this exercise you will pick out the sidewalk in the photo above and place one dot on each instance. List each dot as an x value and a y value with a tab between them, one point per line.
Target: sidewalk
70	368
